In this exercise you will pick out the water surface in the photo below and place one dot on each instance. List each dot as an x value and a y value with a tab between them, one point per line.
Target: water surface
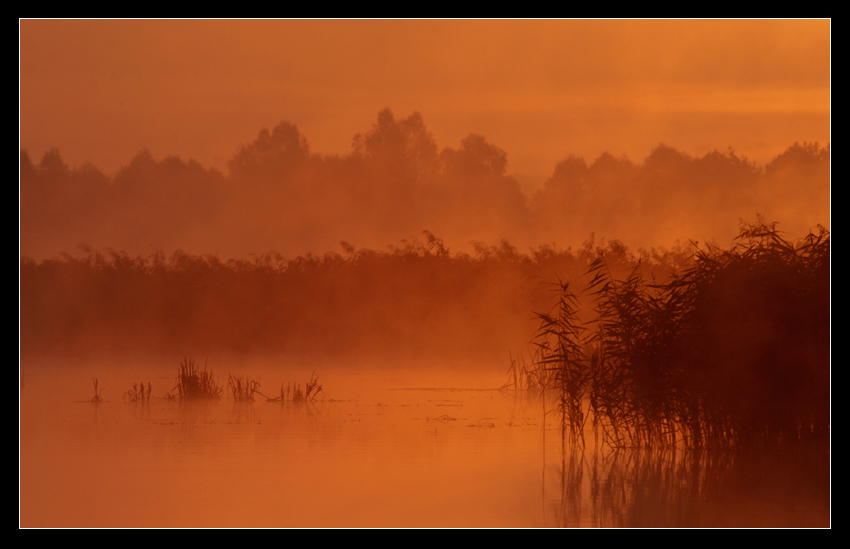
437	446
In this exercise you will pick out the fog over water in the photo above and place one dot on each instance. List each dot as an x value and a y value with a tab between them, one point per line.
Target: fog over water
548	273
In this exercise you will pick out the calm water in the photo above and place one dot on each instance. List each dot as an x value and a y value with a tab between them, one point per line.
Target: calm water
423	447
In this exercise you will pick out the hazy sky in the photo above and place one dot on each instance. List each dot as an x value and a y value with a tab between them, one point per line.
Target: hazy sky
102	90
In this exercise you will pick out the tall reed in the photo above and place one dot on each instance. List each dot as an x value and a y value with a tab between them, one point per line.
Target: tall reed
139	393
561	358
193	383
731	349
294	393
243	388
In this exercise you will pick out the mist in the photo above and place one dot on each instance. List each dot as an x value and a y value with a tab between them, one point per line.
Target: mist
530	273
279	196
403	247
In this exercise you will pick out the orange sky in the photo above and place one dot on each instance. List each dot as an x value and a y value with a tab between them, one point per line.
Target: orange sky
103	90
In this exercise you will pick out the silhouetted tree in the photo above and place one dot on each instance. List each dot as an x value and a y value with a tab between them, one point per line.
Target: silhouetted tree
403	149
52	167
271	154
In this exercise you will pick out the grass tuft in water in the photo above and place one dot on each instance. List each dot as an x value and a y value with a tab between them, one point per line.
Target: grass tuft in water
139	393
96	399
194	383
243	388
294	393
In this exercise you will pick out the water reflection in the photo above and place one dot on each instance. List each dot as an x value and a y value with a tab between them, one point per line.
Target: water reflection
371	455
674	488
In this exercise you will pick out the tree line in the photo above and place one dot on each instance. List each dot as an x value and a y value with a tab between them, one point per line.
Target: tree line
278	195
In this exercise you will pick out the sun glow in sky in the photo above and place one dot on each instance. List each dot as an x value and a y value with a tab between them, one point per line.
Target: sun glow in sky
102	90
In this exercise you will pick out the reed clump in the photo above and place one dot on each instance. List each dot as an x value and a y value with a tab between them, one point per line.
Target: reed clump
734	348
194	383
292	392
243	388
139	393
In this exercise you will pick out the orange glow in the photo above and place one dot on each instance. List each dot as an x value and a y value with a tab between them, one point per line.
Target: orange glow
547	272
101	91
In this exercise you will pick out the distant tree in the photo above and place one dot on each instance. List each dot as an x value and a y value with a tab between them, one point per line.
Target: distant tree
403	149
666	164
476	157
52	167
606	171
801	158
726	168
796	185
139	174
567	184
481	199
271	153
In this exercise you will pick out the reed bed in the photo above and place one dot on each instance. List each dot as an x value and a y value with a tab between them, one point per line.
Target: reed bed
732	349
194	383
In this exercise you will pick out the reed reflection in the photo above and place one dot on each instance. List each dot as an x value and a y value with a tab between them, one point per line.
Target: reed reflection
672	388
670	488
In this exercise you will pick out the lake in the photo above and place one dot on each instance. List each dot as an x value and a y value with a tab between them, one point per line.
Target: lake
395	446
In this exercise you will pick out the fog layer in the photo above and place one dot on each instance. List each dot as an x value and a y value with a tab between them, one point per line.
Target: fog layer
277	195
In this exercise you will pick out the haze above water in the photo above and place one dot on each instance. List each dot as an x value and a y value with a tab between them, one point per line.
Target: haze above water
433	446
389	205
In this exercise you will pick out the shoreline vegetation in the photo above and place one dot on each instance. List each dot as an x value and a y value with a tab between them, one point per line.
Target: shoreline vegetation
196	383
697	347
419	298
730	351
670	374
691	343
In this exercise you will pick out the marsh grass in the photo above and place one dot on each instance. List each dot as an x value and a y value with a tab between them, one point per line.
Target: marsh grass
734	348
293	392
194	383
139	393
243	388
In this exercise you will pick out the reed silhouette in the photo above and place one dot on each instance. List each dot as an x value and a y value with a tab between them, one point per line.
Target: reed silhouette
396	302
695	488
243	388
292	392
194	383
139	393
732	349
97	398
